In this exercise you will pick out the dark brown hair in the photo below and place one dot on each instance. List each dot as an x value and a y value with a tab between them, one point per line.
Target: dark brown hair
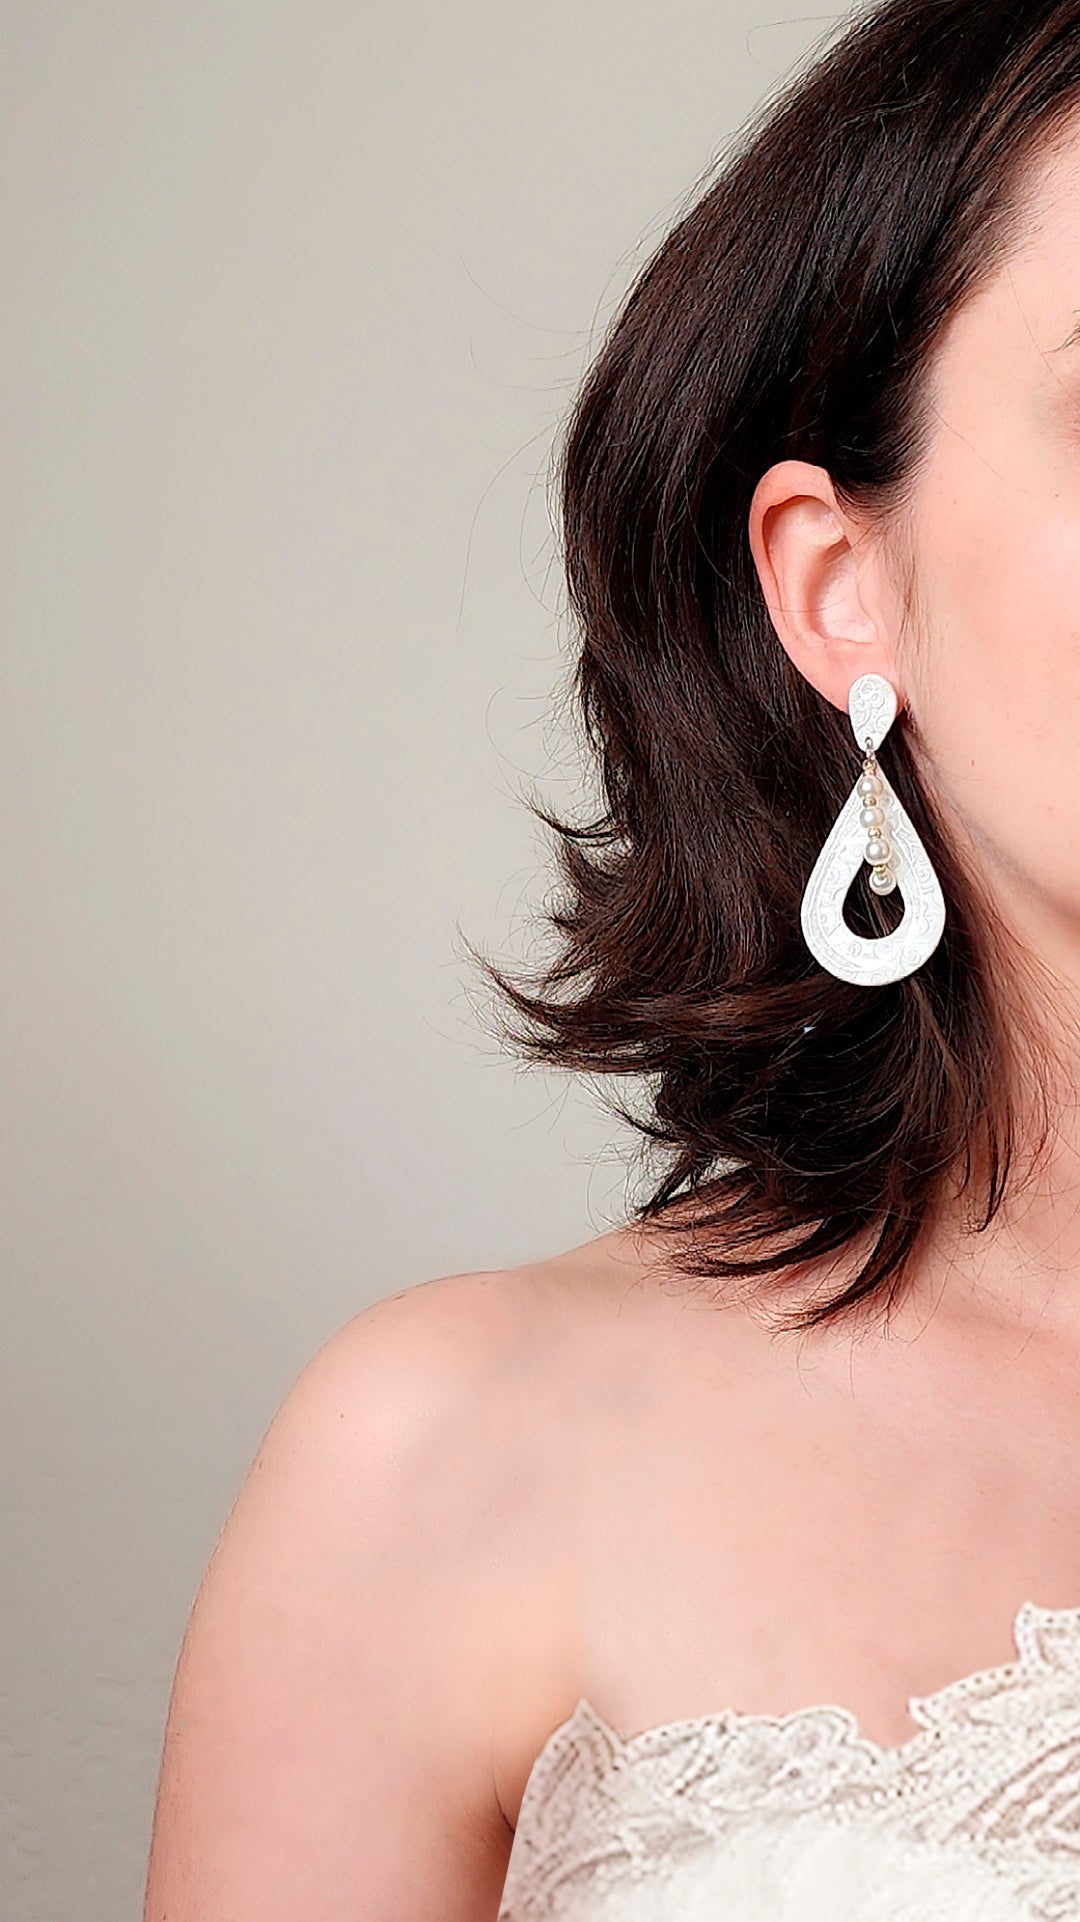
792	312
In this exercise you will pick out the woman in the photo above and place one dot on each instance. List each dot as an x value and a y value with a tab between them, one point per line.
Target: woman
730	1563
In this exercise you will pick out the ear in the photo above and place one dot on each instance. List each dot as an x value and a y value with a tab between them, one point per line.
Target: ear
824	581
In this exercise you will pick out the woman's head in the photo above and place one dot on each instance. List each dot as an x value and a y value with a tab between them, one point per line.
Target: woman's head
832	430
969	600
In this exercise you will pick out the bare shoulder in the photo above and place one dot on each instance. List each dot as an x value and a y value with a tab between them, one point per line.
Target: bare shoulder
389	1627
416	1356
335	1718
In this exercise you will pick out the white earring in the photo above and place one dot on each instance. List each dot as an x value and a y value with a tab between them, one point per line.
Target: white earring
872	826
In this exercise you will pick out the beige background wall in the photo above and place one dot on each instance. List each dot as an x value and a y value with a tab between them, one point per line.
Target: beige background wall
296	294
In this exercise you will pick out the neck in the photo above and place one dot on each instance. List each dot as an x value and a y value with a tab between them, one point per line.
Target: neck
1023	1269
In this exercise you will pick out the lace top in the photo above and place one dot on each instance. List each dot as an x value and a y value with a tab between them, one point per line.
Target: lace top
801	1818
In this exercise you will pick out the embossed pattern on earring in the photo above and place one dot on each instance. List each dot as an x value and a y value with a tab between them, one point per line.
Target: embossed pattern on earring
873	827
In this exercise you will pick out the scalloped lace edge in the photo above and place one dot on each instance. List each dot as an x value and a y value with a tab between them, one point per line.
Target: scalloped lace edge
1046	1640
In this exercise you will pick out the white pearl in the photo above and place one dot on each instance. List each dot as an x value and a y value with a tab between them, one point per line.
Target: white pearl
877	851
872	817
882	881
869	785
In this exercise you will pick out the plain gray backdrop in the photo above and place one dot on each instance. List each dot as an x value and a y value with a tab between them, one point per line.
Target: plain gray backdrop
297	295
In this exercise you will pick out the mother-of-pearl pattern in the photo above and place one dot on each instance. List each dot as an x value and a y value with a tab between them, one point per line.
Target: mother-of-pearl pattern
872	708
870	961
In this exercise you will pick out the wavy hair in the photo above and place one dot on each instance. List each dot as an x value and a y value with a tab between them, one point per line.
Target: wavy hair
792	312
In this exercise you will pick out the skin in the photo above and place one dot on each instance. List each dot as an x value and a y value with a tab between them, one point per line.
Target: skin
494	1493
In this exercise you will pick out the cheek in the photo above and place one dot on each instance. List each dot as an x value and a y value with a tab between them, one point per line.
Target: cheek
997	681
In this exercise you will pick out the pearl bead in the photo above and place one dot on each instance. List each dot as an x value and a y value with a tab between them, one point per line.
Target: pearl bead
878	851
882	880
872	817
869	785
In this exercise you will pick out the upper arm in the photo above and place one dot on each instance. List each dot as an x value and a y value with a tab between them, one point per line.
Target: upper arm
328	1752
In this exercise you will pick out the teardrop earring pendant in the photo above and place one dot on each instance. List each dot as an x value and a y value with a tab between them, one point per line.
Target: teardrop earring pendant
872	827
